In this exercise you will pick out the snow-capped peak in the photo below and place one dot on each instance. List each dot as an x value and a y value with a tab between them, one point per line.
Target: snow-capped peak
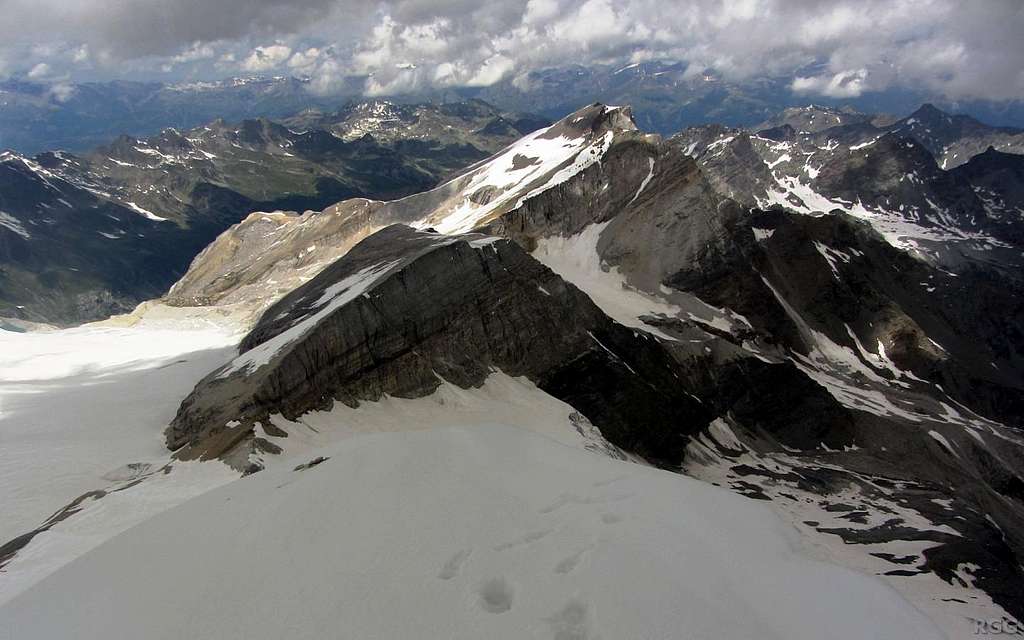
530	166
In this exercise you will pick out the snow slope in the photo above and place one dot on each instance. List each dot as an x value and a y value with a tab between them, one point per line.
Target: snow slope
537	156
481	532
78	405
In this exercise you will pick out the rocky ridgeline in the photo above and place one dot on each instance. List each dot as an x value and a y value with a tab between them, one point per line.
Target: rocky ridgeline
83	236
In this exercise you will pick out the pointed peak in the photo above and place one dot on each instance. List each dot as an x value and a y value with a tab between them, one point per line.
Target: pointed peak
596	118
782	133
929	111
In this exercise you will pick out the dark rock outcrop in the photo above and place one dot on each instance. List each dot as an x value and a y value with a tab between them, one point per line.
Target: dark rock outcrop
417	308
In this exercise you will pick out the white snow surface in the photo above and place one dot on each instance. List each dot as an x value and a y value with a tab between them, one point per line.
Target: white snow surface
487	531
501	399
146	213
78	404
537	160
575	258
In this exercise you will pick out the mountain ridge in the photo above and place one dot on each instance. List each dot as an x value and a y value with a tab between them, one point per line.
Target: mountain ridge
87	236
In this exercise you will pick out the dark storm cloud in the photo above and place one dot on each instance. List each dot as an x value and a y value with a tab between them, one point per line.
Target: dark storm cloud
952	48
136	28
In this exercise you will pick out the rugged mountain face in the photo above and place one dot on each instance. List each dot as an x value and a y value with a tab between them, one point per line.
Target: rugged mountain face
998	180
815	118
951	139
954	139
888	180
267	255
437	308
411	124
826	322
87	236
830	323
68	255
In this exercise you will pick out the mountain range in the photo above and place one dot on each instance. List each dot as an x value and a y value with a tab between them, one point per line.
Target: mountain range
86	236
666	97
824	314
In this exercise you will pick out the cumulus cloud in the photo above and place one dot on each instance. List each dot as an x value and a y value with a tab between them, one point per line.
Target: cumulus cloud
845	84
946	47
81	54
194	52
267	58
39	71
61	91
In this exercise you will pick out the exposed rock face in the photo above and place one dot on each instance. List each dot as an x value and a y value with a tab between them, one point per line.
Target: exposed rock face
814	118
954	139
287	249
951	139
884	178
406	309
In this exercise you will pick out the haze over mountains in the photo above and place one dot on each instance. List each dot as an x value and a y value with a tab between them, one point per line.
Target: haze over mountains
666	97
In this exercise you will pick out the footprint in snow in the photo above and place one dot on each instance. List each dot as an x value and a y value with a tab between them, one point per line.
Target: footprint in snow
572	622
496	595
454	565
570	498
527	539
567	565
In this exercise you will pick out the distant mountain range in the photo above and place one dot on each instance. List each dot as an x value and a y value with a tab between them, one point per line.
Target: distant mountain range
666	97
33	119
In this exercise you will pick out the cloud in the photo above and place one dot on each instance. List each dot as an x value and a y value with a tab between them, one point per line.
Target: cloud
61	91
304	62
949	48
267	58
845	84
81	54
39	71
194	52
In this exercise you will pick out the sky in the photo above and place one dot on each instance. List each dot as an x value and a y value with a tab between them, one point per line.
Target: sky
839	49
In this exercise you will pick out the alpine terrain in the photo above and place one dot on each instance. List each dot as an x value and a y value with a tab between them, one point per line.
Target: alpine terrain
86	236
729	383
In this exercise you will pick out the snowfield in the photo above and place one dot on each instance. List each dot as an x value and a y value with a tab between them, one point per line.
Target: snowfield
488	531
495	512
76	407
